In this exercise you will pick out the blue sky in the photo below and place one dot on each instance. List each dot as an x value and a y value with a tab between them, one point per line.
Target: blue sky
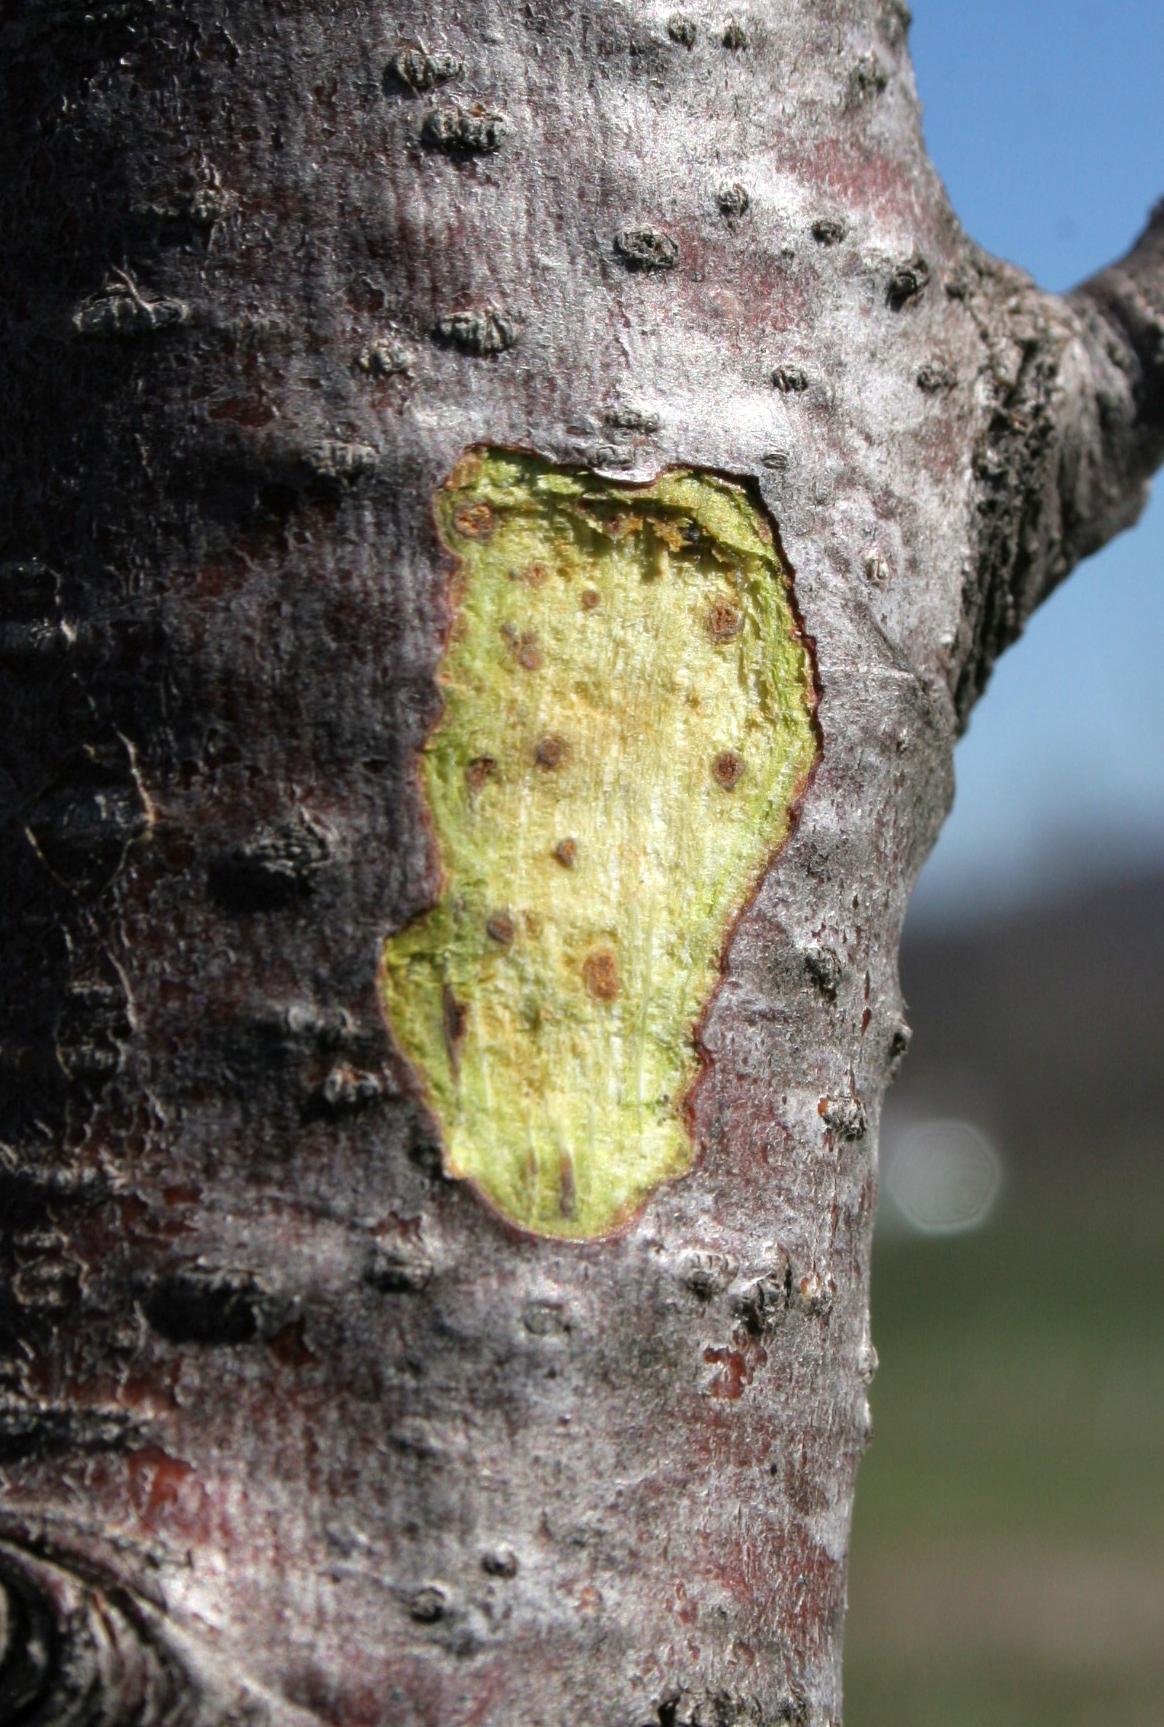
1045	123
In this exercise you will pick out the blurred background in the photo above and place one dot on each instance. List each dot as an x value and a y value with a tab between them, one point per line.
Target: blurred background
1008	1557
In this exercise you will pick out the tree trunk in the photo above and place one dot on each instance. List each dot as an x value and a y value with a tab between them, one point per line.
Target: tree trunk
323	1399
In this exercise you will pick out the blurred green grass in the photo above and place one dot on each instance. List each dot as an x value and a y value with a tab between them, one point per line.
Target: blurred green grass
1008	1547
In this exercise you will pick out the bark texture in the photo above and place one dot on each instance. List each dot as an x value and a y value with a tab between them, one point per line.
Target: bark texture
293	1429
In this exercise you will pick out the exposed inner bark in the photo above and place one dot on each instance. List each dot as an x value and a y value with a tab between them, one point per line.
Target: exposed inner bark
624	676
293	1428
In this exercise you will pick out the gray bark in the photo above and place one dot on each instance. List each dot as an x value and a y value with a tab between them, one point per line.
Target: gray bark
292	1428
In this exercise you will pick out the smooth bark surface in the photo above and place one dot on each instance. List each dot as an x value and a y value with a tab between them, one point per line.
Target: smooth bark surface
292	1428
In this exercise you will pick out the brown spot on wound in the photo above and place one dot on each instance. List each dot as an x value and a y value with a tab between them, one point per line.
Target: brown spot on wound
728	768
723	621
567	1193
474	521
529	655
454	1013
500	927
535	575
478	771
600	975
566	851
551	751
590	598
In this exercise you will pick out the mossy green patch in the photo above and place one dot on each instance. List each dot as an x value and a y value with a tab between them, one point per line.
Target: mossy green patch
628	718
